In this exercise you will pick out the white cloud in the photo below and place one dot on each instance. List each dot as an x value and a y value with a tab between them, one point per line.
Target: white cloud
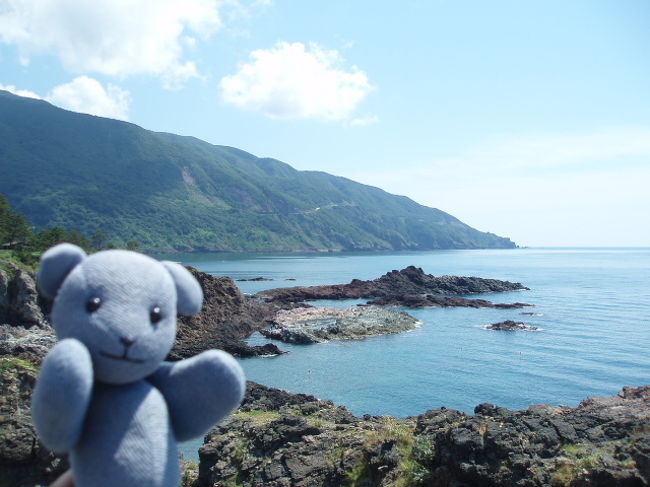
557	150
87	95
112	37
84	95
290	81
16	91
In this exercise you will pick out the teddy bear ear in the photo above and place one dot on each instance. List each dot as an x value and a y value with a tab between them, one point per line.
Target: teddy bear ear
188	290
56	264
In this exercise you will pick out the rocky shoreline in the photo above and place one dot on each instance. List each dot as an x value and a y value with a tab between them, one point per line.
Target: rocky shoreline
317	325
277	439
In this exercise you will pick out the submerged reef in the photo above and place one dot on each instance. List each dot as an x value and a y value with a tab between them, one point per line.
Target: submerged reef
314	325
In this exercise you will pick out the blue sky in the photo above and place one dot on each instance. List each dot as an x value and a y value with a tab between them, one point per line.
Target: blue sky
529	119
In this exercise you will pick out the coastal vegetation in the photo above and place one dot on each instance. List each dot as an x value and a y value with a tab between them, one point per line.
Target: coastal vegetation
21	246
173	193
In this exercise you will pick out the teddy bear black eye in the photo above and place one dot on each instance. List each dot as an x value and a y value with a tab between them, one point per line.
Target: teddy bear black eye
155	315
93	304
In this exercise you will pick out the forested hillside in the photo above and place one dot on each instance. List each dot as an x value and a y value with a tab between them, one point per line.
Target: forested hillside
173	193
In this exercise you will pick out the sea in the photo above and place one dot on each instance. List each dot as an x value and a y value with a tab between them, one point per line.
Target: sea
591	308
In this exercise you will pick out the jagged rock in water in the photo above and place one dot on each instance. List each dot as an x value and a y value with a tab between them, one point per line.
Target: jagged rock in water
510	325
431	301
411	280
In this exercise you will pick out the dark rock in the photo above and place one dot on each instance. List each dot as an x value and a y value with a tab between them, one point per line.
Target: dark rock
298	440
409	281
24	462
431	301
240	349
227	316
255	279
510	325
20	303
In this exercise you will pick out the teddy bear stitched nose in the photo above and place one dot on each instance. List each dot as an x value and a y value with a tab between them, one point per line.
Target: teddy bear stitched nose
127	342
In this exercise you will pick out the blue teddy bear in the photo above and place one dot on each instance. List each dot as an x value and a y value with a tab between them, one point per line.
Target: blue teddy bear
104	393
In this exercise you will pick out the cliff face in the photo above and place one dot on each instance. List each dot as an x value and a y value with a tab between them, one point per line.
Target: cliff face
280	439
20	303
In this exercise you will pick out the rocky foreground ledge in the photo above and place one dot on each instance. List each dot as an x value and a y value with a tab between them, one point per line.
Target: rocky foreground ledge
408	281
277	439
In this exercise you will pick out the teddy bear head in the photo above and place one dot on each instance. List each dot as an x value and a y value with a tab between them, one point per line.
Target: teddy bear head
121	305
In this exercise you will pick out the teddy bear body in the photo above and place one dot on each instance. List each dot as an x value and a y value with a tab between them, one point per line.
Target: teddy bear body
104	393
140	411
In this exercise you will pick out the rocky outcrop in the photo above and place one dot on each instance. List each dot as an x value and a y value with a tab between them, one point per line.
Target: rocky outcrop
431	301
314	325
24	462
280	439
227	316
20	304
510	325
409	281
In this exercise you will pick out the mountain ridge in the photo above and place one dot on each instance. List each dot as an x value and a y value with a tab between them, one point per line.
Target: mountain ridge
178	193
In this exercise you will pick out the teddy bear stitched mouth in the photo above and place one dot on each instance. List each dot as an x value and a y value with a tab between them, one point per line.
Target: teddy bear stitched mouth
122	357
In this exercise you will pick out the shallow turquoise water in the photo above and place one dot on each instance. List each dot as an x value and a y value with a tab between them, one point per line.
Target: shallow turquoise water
595	335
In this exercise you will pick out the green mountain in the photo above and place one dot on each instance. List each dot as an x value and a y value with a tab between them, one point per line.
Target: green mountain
173	193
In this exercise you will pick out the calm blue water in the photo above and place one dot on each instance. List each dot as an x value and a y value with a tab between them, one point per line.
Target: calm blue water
595	335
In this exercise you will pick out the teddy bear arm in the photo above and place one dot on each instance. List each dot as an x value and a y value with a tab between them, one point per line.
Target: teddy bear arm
200	391
62	395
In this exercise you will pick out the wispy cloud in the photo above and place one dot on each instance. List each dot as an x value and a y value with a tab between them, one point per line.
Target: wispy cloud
363	121
562	189
294	81
561	150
